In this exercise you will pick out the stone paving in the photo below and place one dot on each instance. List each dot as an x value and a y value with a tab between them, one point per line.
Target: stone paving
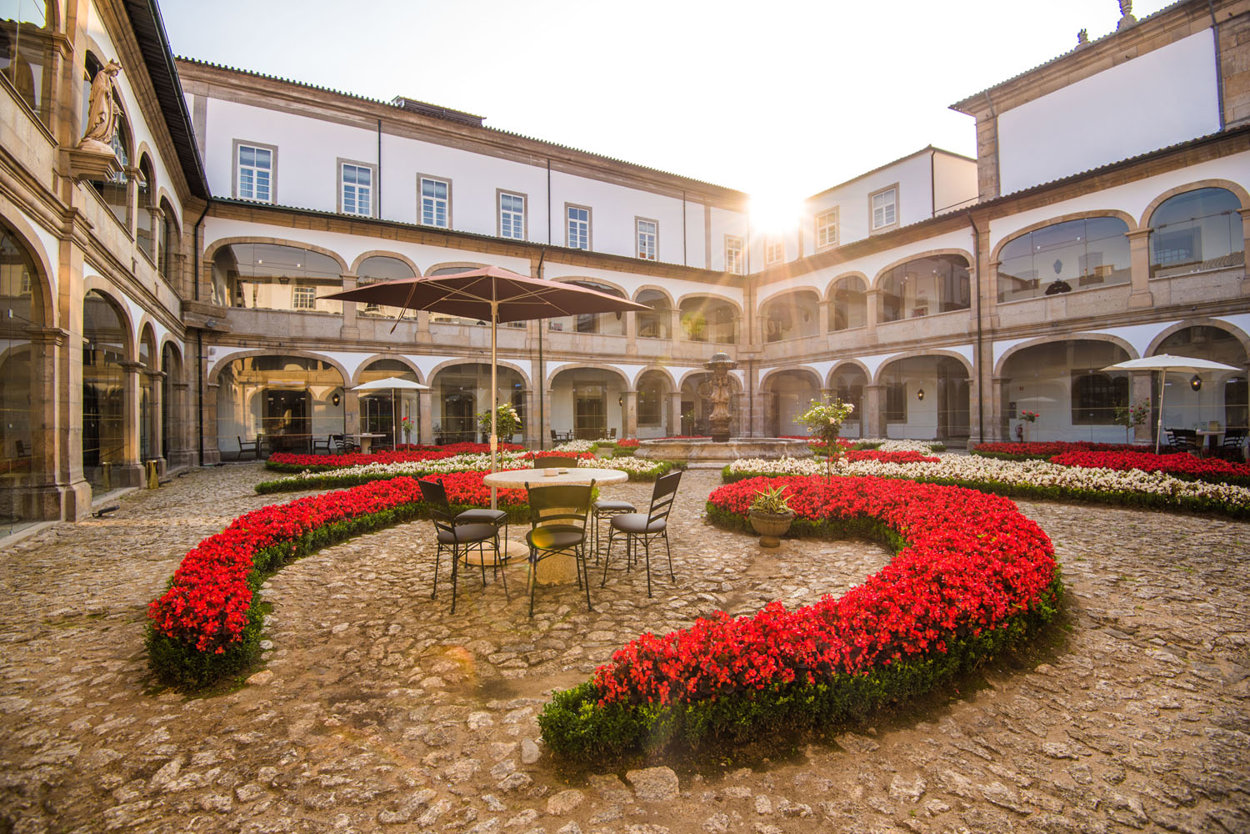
375	710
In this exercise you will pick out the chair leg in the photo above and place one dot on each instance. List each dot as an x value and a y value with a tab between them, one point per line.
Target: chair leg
581	559
646	546
455	562
501	568
438	552
533	579
669	550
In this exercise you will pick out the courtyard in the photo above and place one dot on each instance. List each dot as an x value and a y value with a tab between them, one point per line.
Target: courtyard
374	709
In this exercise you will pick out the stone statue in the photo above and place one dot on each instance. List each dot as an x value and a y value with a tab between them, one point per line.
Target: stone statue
1082	37
102	111
1126	12
720	365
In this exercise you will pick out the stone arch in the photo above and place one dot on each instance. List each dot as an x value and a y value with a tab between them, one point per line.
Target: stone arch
105	288
875	284
737	305
783	315
591	366
796	369
827	295
1236	332
210	251
921	354
403	360
464	265
43	300
1237	190
214	373
384	253
1065	337
653	288
450	363
586	279
1128	219
845	364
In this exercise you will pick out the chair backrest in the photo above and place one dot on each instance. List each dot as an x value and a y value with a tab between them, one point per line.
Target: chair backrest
434	494
1235	437
555	462
553	434
563	504
662	496
612	433
245	444
21	448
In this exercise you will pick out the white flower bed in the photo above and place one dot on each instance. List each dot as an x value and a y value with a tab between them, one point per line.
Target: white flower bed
924	447
1033	473
636	465
579	446
457	463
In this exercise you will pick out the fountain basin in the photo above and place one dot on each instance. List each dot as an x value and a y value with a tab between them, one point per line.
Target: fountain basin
706	451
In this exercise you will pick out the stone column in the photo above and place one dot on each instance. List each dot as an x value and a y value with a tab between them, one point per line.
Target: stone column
158	414
872	312
425	431
823	318
874	411
545	428
1139	268
631	333
180	446
57	491
423	328
208	413
530	432
674	414
351	413
631	414
130	470
998	430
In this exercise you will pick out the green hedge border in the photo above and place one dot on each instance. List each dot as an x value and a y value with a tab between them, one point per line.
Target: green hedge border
577	728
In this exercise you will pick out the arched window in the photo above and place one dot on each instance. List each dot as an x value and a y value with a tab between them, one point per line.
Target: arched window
20	395
145	228
848	307
655	323
27	43
1089	252
375	269
167	240
607	323
936	284
705	319
273	276
792	315
104	387
1200	229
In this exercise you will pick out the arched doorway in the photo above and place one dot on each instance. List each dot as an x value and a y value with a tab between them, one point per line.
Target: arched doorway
925	398
103	390
285	400
172	440
788	394
589	402
1064	384
383	411
462	392
654	395
848	383
21	400
1219	396
149	414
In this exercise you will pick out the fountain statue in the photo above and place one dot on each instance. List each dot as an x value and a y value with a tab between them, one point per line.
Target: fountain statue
721	448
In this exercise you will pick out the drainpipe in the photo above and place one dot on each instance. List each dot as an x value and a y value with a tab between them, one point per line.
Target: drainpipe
379	184
1219	70
978	366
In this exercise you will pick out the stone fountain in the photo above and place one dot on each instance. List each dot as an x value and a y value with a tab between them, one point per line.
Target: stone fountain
721	449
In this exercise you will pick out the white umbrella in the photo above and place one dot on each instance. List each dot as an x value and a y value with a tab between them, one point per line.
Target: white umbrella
394	383
1163	363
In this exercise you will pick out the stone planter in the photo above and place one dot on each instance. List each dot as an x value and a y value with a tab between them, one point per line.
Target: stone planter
770	526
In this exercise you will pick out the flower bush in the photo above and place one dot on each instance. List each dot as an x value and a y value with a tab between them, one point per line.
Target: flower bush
208	623
971	576
1179	464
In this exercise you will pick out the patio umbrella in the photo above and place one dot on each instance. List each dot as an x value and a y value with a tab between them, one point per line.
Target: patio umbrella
1163	363
491	294
394	383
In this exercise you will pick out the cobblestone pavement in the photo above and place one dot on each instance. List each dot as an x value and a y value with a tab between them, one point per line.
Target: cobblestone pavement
377	710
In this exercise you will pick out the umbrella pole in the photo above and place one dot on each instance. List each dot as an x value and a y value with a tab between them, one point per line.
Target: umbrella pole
394	423
1163	385
494	394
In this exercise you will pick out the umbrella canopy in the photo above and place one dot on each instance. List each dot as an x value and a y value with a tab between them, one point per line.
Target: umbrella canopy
491	294
392	384
1164	363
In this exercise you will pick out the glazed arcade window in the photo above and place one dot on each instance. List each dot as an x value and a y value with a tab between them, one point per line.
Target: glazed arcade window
435	203
356	189
254	172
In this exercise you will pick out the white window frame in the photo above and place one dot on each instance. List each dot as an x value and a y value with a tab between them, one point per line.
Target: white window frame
569	220
239	192
503	223
735	250
303	297
370	189
647	240
774	250
827	228
435	201
889	210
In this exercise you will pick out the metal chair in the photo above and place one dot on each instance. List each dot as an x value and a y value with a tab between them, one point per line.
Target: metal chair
602	510
246	446
322	447
460	534
558	525
555	462
1233	445
647	526
1183	440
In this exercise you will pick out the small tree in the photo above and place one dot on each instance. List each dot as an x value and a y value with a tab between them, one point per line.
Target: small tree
1131	416
824	420
507	421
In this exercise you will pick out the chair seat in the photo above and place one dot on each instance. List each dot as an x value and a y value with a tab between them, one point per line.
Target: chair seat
462	533
637	523
482	516
604	506
555	537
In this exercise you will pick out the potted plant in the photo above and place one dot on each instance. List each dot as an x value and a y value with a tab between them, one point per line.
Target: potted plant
405	425
825	419
1132	416
1028	418
770	515
507	423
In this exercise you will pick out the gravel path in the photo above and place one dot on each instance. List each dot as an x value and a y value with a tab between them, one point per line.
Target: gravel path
377	710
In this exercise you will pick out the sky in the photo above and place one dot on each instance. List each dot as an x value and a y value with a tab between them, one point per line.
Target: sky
780	99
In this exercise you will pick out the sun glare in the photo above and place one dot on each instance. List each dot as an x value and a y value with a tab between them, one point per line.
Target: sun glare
775	213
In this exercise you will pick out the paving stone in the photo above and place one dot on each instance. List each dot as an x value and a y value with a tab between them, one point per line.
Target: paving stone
377	708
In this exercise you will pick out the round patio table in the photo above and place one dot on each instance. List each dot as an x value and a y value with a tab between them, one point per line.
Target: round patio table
558	568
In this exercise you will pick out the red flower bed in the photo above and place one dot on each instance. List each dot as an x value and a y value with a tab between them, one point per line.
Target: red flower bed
627	443
206	607
1047	450
549	453
890	457
1184	465
969	563
405	455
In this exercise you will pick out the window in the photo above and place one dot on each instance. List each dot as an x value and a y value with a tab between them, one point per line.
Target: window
1091	251
896	402
356	189
925	286
648	231
1200	229
254	172
304	298
827	228
850	304
734	262
435	203
1096	396
577	235
512	215
650	404
884	207
774	250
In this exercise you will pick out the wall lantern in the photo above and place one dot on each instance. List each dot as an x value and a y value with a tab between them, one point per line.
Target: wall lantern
335	399
1195	382
920	394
